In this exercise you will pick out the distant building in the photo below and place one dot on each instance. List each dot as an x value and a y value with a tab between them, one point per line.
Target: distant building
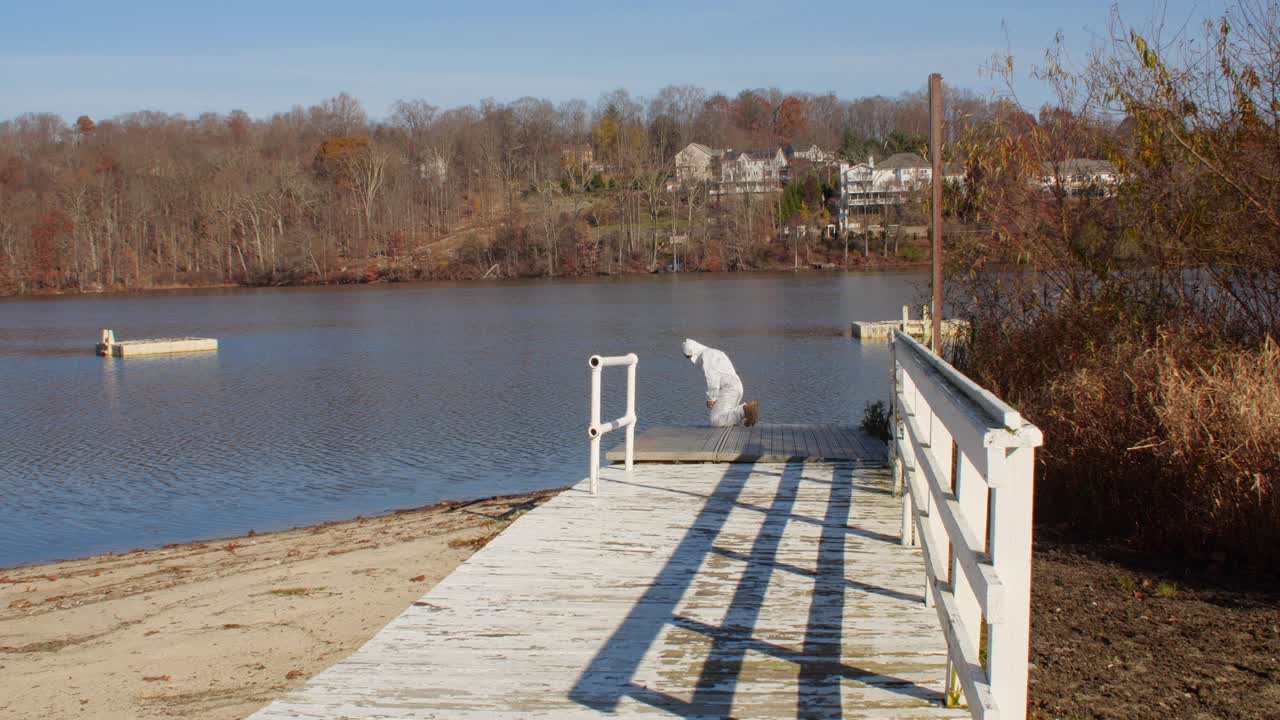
731	171
1080	177
434	168
694	163
749	171
902	171
577	155
579	159
889	182
814	154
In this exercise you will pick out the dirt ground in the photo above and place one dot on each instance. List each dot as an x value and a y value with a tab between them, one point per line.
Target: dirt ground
215	630
1115	635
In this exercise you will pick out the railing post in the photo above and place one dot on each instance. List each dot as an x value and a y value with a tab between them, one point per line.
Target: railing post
1009	642
897	438
595	429
631	413
595	422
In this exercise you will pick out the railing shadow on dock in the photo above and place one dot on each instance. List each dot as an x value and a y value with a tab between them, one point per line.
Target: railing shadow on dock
610	677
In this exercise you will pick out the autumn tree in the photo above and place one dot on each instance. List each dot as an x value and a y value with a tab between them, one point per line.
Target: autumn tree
790	119
47	270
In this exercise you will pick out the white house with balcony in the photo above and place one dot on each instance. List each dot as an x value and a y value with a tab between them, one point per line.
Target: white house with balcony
868	185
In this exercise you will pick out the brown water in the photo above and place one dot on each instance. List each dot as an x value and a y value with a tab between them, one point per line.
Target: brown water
334	402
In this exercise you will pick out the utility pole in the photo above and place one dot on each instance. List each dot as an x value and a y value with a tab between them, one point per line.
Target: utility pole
935	156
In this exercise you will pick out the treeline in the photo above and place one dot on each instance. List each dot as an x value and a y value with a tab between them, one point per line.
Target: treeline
324	194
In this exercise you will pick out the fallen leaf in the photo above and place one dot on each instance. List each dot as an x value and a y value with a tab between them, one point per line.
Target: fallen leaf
156	678
21	603
293	675
419	578
231	626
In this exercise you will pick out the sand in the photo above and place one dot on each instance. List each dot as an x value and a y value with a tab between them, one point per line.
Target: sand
218	629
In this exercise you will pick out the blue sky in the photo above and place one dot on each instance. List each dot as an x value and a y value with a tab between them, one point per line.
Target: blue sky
103	59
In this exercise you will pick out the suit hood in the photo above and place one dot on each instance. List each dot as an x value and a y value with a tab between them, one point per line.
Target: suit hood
693	350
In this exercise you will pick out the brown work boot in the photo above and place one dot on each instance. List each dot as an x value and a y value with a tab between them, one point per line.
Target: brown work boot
751	413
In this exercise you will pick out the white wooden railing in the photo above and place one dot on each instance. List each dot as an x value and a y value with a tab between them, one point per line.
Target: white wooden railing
963	461
596	430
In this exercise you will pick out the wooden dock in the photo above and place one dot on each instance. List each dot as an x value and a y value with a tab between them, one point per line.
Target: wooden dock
769	443
694	591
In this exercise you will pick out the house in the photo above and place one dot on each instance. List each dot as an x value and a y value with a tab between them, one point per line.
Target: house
694	163
901	172
750	171
1080	177
730	171
869	185
814	154
434	168
579	161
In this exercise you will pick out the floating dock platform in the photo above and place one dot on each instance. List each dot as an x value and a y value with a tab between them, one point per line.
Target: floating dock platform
882	329
110	347
918	329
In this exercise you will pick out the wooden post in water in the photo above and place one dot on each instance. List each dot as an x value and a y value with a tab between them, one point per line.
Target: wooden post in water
935	156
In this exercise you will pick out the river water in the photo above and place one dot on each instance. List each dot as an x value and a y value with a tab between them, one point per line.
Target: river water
327	403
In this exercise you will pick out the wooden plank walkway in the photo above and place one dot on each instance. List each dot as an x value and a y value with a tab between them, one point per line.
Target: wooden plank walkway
694	591
768	443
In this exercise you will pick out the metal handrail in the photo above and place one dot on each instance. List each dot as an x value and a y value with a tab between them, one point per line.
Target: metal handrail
597	429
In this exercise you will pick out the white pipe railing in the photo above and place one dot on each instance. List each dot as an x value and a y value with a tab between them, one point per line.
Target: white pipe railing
596	429
963	460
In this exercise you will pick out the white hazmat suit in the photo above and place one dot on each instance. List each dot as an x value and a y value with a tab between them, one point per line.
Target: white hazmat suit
724	388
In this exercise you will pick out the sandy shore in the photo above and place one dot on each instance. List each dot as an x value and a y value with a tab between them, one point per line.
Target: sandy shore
217	629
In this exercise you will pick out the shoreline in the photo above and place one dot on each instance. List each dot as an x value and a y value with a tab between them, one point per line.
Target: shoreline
216	629
870	268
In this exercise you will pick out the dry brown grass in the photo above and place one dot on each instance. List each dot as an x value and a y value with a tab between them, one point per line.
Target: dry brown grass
1221	421
1170	437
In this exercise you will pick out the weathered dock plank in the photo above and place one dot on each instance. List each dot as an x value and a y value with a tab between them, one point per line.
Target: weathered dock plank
696	591
762	443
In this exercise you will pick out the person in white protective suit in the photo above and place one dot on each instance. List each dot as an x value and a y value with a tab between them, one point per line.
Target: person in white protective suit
724	388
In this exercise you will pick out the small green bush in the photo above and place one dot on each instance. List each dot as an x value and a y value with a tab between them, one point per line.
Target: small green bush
875	420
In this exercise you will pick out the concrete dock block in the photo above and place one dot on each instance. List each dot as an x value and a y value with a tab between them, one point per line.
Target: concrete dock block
110	347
